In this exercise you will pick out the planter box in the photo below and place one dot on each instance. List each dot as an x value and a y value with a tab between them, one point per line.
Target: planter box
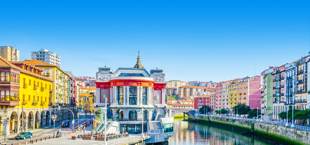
87	138
99	138
73	137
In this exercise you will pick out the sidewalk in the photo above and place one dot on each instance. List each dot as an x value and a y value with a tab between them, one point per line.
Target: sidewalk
45	130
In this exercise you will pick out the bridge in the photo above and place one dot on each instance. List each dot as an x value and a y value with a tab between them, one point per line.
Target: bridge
191	113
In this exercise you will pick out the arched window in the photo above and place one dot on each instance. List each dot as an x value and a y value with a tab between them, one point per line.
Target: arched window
119	115
132	115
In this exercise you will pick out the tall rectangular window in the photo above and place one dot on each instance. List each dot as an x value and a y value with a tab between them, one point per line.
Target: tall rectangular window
144	96
132	95
34	98
7	93
29	82
104	95
7	76
157	96
2	76
2	95
120	96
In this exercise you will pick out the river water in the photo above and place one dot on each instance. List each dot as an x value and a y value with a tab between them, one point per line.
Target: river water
190	133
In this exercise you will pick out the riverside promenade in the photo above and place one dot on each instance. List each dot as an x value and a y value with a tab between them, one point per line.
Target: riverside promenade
270	129
67	139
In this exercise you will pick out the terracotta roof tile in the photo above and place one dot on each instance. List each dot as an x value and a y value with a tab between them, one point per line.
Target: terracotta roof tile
204	96
37	62
6	63
176	104
88	88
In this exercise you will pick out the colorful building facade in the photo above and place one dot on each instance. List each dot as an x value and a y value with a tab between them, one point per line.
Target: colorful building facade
202	100
218	96
25	94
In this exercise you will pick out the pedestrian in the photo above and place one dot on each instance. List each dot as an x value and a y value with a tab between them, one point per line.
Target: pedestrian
81	127
84	129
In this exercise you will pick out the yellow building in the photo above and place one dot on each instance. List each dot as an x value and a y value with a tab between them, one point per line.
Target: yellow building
24	96
233	94
60	86
86	102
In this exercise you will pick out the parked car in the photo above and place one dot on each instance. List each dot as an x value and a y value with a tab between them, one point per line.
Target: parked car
65	123
23	135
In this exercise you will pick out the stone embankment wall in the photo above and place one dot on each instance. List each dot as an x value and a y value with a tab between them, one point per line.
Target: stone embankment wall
271	130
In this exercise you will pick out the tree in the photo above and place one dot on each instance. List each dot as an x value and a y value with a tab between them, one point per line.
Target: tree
283	114
204	109
222	111
302	115
253	112
241	109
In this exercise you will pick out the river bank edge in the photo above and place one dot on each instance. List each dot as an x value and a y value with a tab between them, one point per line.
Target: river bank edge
262	135
180	117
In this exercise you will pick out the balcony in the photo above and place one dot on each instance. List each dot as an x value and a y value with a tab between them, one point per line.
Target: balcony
9	101
300	81
289	103
300	72
282	86
46	74
300	101
276	87
34	103
277	79
300	91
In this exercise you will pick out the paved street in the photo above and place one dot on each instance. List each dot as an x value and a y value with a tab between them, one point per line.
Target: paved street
47	130
66	139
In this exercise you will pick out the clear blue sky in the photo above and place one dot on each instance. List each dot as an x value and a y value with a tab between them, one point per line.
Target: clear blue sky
191	40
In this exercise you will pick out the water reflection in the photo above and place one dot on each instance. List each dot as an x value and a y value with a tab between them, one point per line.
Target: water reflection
189	133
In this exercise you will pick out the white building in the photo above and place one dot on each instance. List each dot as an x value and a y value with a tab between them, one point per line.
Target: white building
46	56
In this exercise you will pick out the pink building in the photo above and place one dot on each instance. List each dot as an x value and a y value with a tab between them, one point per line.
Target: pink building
254	92
218	96
201	100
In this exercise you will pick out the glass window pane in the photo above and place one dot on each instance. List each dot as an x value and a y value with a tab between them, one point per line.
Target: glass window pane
144	96
7	76
132	95
2	76
120	97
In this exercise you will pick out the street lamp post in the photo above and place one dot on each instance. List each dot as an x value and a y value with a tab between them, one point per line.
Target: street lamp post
54	119
78	115
293	116
261	115
286	116
5	123
105	122
142	122
257	113
237	112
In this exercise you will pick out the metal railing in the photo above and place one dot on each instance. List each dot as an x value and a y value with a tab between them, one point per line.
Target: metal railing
157	131
280	123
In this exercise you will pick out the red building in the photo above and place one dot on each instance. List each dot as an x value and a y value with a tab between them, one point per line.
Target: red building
202	100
